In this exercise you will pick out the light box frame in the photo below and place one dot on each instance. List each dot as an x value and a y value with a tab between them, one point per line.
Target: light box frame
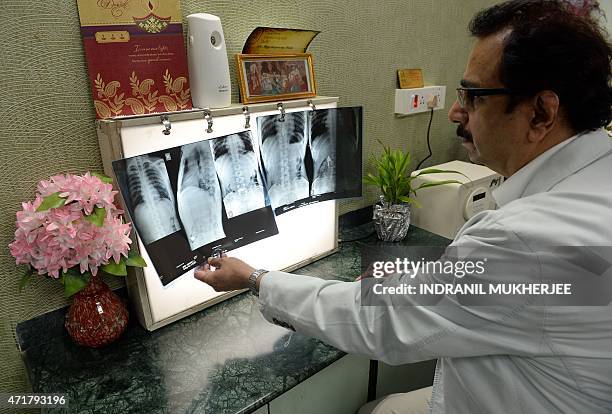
117	138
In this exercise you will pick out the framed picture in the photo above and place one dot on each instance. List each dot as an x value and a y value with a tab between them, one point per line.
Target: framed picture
265	78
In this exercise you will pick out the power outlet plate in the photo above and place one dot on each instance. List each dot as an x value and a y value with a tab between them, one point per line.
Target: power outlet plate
414	101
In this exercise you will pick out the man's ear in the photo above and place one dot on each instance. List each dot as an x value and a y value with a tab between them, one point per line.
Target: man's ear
545	106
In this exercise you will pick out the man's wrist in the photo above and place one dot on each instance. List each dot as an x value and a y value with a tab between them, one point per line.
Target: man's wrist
255	279
258	281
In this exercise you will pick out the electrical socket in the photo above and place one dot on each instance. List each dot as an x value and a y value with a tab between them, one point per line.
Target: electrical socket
415	100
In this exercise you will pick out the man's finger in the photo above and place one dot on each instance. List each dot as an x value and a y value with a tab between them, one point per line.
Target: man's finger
202	273
215	261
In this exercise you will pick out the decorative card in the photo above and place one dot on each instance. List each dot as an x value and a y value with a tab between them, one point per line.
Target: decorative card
274	41
136	56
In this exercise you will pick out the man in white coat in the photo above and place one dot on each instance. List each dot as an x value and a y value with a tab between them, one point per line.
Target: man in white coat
533	100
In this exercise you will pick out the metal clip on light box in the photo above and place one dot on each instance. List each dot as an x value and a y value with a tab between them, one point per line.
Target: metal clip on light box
209	120
247	117
280	107
165	119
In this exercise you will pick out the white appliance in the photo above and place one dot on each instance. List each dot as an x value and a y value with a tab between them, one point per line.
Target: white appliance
445	208
209	76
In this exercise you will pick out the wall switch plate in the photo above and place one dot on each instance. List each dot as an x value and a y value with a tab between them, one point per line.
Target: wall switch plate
414	101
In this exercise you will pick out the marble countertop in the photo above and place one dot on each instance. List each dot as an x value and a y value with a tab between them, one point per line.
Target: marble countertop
224	359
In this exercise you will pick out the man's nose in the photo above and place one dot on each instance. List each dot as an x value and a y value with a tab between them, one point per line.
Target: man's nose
456	113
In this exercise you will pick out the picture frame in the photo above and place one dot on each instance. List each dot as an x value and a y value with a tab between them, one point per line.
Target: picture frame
266	78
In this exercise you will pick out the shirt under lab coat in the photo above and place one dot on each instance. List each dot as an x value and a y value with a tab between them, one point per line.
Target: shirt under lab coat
508	358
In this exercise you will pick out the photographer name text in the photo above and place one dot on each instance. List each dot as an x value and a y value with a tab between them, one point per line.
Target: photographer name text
475	289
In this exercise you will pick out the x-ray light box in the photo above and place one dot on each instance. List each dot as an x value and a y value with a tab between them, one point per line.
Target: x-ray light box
304	234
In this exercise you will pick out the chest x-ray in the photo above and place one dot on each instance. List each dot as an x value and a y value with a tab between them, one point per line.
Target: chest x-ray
151	197
283	152
311	156
236	165
323	149
199	195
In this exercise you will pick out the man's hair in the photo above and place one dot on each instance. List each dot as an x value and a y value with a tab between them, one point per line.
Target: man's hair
550	47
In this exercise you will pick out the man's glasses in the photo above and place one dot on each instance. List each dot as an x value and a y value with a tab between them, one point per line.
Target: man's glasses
465	96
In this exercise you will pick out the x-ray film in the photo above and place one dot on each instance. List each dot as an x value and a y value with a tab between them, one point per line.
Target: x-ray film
151	197
179	208
198	195
236	164
322	125
311	156
283	151
348	127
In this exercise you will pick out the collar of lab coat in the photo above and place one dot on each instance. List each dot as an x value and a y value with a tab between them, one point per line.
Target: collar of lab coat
554	165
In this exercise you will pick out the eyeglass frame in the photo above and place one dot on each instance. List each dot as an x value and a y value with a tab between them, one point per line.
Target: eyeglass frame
474	92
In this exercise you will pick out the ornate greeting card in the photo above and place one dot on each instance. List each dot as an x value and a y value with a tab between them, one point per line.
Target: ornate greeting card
135	56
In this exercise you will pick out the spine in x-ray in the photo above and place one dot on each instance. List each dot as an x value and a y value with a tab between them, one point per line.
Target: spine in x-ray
283	150
236	165
323	150
199	195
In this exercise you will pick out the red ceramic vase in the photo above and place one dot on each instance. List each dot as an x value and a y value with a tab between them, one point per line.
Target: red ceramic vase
97	315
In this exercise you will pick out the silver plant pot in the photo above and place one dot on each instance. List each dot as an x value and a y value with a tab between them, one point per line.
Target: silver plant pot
391	221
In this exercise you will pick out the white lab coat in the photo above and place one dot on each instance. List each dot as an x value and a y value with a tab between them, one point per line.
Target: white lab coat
491	359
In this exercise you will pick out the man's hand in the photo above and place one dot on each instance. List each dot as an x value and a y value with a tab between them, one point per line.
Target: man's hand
229	273
369	272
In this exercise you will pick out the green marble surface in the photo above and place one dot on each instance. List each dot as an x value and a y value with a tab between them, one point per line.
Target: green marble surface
224	359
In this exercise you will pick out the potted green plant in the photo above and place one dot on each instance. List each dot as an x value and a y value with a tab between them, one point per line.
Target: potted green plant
395	182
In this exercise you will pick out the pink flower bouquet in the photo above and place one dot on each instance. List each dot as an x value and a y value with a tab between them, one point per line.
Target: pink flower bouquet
71	230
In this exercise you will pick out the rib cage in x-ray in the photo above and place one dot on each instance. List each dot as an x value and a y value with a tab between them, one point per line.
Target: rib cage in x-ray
199	195
283	149
323	150
151	197
236	165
